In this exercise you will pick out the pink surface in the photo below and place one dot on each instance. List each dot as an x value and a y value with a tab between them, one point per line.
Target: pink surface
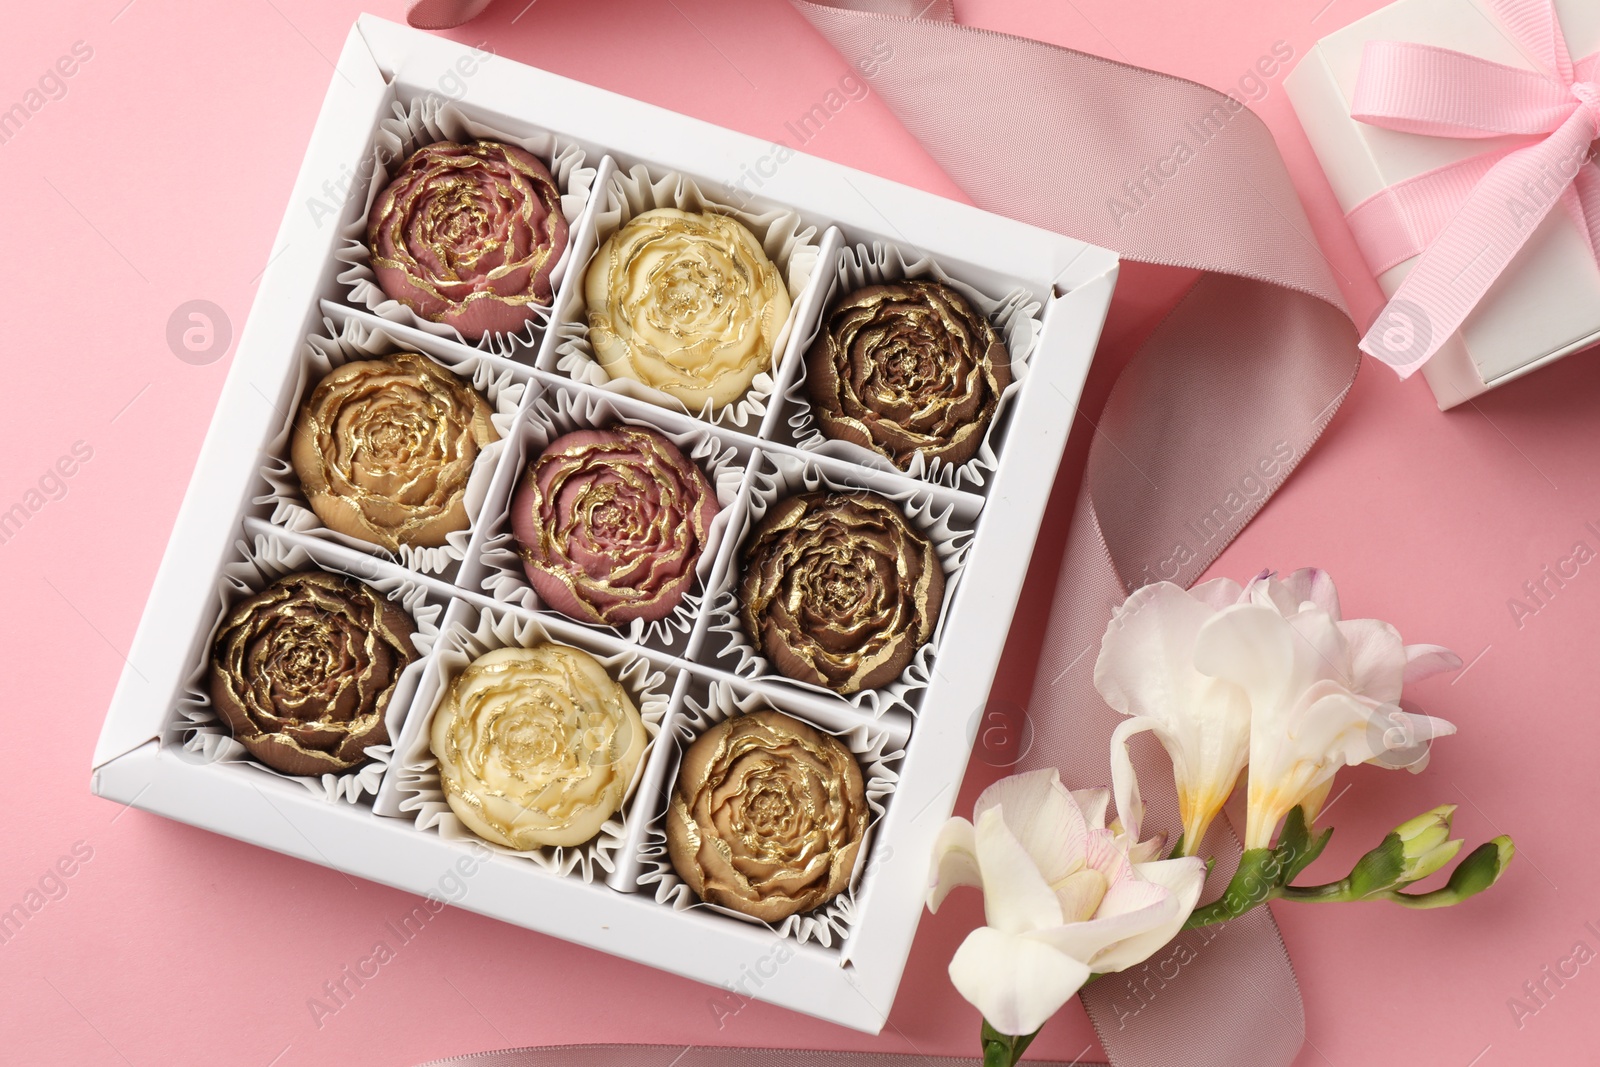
156	174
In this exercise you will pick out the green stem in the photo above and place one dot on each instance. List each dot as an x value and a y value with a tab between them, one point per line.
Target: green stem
1335	892
1253	884
1003	1050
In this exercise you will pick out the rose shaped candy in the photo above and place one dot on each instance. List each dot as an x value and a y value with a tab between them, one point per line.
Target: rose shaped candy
384	449
536	746
612	523
467	235
687	304
838	590
767	817
303	671
907	368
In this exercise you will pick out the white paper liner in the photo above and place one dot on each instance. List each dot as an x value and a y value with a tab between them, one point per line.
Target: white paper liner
427	121
1015	316
207	739
951	538
422	795
788	241
834	920
562	411
354	340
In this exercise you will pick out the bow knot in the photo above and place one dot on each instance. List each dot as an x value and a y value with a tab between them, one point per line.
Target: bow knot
1588	94
1468	220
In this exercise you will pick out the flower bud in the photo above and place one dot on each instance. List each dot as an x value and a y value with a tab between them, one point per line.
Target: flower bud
1410	852
1481	869
1426	844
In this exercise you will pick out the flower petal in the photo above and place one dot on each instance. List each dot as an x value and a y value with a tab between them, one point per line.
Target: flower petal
1124	779
955	862
1377	659
1424	661
1218	593
1315	585
1017	982
1043	816
1251	646
1016	896
1146	664
1183	880
1093	803
1138	915
1403	739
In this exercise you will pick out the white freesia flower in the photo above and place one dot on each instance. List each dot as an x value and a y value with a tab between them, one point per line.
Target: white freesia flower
1322	691
1062	897
1267	674
1146	670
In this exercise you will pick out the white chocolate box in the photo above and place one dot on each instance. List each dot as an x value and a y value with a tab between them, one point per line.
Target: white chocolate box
240	525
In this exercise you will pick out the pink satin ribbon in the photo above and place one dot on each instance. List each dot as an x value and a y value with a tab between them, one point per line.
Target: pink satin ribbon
1469	219
443	14
692	1056
1233	388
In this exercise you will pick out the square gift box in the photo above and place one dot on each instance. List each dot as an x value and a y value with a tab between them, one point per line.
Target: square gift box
244	523
1547	303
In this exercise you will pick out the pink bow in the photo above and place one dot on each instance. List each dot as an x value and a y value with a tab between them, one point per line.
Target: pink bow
1467	220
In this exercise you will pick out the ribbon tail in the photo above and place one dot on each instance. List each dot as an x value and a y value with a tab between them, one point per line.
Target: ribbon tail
444	14
1498	218
694	1056
1252	363
1582	202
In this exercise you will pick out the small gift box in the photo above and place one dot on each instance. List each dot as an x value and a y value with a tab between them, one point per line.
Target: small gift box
1458	137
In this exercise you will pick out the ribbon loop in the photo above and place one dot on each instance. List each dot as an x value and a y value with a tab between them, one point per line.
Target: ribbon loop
1417	88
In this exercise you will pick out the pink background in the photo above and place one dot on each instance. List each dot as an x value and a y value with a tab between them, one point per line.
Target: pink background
159	177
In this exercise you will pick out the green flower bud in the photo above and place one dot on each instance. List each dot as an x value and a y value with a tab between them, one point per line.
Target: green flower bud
1408	853
1426	843
1481	869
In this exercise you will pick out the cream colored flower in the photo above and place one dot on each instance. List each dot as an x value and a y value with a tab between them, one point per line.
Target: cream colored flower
1322	691
688	304
1062	899
1267	674
536	746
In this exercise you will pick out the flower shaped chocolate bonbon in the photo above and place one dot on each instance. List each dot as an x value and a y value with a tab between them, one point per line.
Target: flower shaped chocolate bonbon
384	449
611	524
839	590
768	816
905	369
468	235
688	304
303	671
536	746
